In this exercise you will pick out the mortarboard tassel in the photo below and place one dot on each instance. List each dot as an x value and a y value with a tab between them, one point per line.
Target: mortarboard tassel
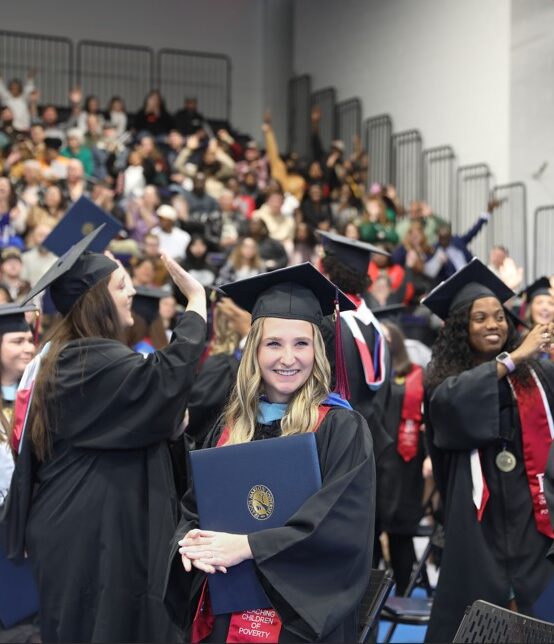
341	376
36	329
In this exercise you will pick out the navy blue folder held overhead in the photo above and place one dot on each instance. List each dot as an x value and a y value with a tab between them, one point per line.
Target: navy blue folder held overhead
80	220
247	488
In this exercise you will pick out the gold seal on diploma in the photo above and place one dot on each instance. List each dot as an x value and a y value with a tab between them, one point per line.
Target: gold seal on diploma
87	228
260	502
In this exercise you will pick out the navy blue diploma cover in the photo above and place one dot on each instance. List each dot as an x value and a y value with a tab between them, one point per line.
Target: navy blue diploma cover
81	219
247	488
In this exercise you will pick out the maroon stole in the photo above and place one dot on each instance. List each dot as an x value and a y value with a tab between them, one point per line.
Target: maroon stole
536	436
259	625
411	417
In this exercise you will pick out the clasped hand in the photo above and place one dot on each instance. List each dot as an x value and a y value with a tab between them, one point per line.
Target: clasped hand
212	552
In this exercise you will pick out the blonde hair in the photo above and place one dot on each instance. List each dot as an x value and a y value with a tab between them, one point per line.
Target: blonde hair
302	411
226	339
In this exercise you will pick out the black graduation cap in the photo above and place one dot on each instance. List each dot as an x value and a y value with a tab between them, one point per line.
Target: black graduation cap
388	311
470	283
81	219
12	318
146	302
73	274
353	253
540	286
297	292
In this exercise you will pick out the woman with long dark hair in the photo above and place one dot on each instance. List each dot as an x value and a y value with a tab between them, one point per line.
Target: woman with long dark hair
402	475
488	418
94	451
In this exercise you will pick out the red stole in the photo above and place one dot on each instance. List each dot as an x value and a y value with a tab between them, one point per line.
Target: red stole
410	418
536	438
259	625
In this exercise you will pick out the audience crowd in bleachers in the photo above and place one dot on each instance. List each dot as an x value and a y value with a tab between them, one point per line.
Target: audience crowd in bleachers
222	203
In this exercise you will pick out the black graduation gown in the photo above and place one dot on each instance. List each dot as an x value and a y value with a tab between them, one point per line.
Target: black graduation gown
210	393
370	404
504	554
316	568
402	482
104	506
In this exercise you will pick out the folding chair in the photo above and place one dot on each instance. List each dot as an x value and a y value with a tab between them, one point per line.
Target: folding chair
409	610
484	622
378	589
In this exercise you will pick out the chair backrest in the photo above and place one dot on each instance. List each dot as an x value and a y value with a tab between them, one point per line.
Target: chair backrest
375	596
484	622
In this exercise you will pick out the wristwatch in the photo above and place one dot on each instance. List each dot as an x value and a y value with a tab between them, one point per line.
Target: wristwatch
506	359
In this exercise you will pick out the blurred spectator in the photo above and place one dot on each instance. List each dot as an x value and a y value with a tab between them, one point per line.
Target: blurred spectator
421	211
253	163
10	271
10	216
117	114
151	247
75	182
243	262
286	173
196	261
346	208
272	252
140	212
413	253
153	116
51	124
54	166
497	255
168	315
231	219
75	149
305	245
451	252
399	279
134	180
16	97
316	212
188	119
376	224
143	272
38	259
54	202
173	240
281	227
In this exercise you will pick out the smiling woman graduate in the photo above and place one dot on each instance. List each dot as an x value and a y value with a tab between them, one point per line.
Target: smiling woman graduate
316	567
92	499
489	426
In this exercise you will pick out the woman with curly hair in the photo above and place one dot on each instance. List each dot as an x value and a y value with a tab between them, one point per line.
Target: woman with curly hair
315	568
489	424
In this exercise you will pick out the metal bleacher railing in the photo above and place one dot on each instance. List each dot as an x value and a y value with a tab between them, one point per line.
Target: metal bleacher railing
51	59
109	69
457	194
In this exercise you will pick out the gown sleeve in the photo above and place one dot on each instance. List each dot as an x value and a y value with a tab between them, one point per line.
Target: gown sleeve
137	400
315	569
463	409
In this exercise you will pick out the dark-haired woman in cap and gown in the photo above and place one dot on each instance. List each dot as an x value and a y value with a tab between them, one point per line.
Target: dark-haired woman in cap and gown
314	569
93	500
489	422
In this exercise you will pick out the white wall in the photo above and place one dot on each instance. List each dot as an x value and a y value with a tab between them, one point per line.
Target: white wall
532	99
219	26
441	66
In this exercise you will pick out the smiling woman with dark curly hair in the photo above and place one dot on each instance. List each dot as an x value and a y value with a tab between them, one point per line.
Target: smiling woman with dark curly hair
489	425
